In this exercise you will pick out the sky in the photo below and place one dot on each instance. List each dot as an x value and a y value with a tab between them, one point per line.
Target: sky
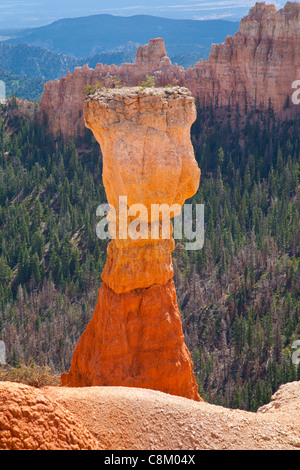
15	14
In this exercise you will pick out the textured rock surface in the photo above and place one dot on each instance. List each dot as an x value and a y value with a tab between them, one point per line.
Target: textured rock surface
285	400
29	420
261	60
147	157
135	336
124	418
135	339
129	418
259	63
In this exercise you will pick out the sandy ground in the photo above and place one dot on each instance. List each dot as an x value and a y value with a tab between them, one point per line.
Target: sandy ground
130	418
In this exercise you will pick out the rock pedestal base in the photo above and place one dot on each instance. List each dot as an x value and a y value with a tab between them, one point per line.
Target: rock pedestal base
135	340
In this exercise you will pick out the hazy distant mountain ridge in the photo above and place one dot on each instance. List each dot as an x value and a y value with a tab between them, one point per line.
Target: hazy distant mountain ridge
87	36
49	52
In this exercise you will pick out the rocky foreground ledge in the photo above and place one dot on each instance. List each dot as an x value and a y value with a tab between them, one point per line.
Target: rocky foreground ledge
122	418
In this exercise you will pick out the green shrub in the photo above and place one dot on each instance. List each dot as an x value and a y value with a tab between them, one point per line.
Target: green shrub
149	82
92	89
31	374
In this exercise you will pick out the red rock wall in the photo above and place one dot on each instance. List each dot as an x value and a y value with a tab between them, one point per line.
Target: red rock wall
260	61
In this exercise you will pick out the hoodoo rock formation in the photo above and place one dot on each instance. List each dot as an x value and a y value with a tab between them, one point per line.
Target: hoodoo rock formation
256	66
135	336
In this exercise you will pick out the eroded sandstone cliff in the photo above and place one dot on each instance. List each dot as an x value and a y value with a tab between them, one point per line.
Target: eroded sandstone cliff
135	336
258	64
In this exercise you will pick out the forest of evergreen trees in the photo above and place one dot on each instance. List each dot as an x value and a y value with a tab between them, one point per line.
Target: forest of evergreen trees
238	296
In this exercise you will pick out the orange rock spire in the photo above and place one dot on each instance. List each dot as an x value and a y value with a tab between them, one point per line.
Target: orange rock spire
135	336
